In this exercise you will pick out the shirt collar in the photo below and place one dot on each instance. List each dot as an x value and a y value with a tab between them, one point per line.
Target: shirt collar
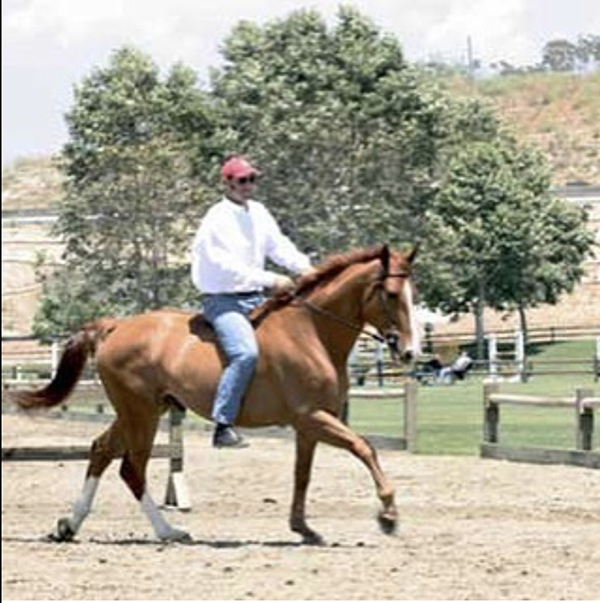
238	207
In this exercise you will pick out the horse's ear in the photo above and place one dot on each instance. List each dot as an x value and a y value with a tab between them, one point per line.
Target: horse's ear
385	259
412	254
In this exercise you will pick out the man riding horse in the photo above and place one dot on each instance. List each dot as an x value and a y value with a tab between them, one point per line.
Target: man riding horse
229	253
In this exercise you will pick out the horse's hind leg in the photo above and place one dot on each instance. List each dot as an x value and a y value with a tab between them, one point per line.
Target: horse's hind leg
324	427
139	429
104	449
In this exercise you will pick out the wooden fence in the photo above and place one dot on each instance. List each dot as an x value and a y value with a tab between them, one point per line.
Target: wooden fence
406	394
583	405
176	492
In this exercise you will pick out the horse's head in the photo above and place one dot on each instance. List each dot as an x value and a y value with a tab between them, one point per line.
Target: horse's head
389	304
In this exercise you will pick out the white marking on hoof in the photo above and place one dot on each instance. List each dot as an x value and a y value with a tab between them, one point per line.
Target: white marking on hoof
162	528
83	506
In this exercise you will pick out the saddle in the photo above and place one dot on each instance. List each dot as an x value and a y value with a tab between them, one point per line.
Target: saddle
201	328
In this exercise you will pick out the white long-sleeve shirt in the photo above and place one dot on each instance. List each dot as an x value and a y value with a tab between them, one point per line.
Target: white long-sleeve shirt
231	247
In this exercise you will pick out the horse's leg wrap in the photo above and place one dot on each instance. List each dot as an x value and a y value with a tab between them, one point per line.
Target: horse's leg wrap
133	471
68	527
162	528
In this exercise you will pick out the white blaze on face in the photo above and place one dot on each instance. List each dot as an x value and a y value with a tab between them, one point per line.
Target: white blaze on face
414	345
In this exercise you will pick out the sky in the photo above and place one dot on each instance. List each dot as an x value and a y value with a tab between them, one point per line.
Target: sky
49	46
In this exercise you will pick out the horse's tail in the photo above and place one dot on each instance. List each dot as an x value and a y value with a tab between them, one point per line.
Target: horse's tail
72	362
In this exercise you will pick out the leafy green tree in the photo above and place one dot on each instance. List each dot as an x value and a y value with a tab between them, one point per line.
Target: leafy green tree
134	187
67	303
504	242
588	49
349	136
357	148
559	55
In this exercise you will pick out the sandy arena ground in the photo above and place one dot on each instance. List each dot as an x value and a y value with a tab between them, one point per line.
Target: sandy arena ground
470	529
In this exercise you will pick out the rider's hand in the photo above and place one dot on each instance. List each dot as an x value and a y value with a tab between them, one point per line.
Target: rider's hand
310	270
282	284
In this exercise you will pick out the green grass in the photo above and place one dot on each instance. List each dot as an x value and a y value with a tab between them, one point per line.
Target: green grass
449	418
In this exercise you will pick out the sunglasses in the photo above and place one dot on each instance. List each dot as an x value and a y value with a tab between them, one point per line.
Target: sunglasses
246	179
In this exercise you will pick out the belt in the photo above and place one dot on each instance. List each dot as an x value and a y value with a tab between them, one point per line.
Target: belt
240	293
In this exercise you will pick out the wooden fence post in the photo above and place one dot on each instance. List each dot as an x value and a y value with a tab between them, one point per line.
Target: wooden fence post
177	493
520	356
55	357
584	420
491	414
410	415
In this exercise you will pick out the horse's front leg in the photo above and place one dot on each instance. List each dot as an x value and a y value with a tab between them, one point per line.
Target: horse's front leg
305	450
324	427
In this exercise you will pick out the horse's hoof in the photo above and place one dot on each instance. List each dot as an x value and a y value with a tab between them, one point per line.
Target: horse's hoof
64	531
313	539
308	536
176	535
388	523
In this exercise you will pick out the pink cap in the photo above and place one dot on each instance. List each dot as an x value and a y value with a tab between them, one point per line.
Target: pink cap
238	167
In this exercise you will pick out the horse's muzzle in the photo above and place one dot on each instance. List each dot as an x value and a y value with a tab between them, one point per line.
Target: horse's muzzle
405	356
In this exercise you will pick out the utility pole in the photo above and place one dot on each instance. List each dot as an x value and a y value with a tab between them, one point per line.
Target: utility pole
470	62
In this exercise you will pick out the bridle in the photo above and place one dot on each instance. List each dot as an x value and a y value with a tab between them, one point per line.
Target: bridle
391	333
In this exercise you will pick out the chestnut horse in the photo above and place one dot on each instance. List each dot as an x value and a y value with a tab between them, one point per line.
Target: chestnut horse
149	361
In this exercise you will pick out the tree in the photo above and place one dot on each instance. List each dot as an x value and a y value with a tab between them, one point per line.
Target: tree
559	55
66	303
349	135
588	50
133	188
505	243
351	139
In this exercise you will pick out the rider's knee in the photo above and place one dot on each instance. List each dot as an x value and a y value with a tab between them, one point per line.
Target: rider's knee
248	357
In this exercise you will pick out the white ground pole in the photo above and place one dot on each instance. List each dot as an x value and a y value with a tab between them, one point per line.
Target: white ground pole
520	355
493	356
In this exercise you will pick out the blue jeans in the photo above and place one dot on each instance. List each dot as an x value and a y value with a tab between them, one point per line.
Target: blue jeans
228	315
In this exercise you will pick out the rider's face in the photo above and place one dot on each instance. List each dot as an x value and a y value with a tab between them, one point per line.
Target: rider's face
241	189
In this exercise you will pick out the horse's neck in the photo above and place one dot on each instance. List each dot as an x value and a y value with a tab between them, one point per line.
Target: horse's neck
338	320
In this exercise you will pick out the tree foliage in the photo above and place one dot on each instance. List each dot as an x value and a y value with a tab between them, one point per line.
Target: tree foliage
559	55
505	243
133	189
349	135
357	148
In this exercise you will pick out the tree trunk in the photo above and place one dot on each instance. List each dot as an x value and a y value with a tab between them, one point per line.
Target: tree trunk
479	331
479	326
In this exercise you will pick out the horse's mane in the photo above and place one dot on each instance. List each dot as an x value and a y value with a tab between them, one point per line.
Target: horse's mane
324	272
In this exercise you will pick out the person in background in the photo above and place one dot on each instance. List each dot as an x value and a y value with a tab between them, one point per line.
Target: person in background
457	370
229	253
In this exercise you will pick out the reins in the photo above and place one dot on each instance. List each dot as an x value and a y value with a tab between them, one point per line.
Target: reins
348	323
340	320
